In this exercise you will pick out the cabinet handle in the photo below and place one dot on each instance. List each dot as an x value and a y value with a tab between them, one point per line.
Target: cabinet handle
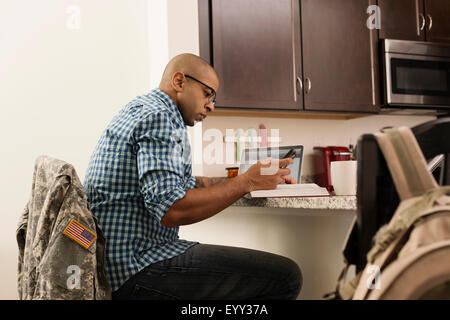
431	22
308	87
299	85
422	23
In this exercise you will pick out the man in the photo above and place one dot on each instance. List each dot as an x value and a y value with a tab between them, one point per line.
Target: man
140	187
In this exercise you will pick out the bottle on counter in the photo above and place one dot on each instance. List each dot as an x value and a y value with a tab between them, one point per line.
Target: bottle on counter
232	172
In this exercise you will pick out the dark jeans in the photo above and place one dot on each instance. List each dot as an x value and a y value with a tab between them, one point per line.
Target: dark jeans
216	272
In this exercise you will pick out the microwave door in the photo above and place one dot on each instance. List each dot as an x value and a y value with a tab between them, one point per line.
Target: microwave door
417	80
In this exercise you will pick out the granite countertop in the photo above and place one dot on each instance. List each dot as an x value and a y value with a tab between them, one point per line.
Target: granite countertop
330	203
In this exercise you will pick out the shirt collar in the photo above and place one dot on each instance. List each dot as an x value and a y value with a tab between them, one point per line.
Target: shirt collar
175	113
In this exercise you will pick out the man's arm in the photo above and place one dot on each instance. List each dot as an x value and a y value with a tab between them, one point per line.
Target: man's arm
205	182
201	203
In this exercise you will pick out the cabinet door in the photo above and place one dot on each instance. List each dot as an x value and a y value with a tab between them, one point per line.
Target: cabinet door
438	20
402	19
340	65
256	53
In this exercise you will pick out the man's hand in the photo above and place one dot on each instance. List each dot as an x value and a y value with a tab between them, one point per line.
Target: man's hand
267	174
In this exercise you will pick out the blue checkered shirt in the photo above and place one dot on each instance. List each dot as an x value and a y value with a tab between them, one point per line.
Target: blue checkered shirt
139	168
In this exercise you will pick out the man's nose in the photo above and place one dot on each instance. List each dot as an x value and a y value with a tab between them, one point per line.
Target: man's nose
210	106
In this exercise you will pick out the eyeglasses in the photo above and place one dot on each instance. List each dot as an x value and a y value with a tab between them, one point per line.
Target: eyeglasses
212	95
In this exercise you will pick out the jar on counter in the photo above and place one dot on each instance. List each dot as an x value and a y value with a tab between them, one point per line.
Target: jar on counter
232	172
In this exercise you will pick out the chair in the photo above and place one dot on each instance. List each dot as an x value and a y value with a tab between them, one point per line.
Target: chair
377	198
61	246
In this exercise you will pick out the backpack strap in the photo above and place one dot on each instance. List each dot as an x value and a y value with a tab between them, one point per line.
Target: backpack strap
406	162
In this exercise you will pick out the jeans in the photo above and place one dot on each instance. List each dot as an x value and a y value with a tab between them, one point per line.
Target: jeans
215	272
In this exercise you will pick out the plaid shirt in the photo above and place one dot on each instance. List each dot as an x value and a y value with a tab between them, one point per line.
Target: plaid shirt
139	168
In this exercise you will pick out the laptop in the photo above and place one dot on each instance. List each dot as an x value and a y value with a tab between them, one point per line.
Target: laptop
251	155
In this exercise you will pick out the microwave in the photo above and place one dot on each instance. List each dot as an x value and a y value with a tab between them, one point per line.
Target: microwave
416	74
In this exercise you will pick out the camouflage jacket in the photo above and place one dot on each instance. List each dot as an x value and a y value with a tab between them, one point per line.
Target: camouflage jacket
61	246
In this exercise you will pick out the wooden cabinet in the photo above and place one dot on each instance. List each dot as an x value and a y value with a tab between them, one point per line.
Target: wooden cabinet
420	20
438	20
256	53
402	19
340	63
308	55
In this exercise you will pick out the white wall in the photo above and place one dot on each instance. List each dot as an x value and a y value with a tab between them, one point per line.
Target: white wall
158	41
182	32
58	89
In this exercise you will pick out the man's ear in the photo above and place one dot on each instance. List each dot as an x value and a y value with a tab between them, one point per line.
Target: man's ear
178	81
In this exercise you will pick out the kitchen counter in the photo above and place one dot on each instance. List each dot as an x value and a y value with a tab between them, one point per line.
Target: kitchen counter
323	203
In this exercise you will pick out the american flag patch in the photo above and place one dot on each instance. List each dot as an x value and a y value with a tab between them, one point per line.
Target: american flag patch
80	233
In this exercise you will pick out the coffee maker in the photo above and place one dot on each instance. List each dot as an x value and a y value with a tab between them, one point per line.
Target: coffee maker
322	159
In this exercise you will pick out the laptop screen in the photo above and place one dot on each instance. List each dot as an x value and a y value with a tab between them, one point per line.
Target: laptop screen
252	155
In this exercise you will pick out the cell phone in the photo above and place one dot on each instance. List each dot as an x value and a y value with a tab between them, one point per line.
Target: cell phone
291	154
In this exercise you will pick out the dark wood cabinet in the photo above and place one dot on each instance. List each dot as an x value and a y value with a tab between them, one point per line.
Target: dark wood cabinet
402	19
438	20
420	20
308	55
256	51
340	63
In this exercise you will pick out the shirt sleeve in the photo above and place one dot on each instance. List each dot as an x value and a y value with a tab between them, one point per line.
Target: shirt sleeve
191	182
161	163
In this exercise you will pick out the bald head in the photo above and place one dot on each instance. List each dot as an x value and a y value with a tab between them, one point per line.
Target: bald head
190	64
192	84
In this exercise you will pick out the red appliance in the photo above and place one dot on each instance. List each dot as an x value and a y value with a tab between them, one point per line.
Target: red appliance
322	159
